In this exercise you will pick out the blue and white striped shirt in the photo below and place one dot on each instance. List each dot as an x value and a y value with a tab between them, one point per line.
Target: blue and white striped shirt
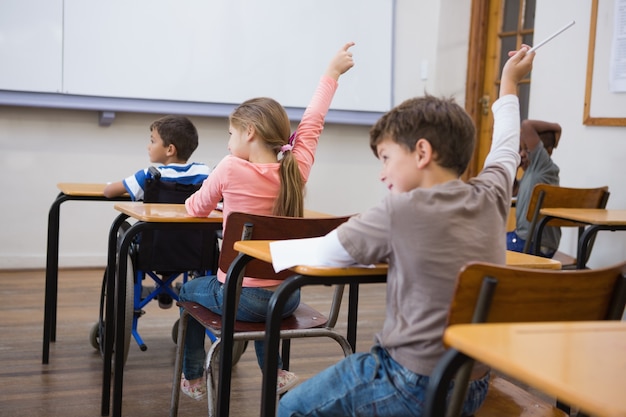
193	173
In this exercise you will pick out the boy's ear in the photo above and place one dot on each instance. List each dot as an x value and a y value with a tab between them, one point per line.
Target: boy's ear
423	153
171	150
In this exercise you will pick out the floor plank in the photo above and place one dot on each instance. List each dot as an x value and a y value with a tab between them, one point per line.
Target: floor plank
70	385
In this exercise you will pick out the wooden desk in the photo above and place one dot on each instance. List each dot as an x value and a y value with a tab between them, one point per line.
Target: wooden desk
176	213
596	219
149	217
303	275
581	363
164	213
260	249
69	192
524	260
312	275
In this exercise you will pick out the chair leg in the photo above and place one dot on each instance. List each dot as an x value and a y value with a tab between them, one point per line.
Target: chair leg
285	352
439	381
178	363
212	375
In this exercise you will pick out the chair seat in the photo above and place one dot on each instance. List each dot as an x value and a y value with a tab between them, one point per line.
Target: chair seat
566	260
305	317
507	399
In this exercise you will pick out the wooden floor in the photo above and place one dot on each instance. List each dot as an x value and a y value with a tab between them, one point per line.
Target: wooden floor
70	385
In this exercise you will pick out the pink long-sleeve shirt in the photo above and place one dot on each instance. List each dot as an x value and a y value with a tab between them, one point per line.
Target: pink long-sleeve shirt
252	188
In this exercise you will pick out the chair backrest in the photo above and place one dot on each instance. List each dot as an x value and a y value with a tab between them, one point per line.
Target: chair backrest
174	250
488	293
554	196
158	191
493	293
263	227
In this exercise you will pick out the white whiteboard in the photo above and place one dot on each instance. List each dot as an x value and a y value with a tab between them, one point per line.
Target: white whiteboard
207	51
31	45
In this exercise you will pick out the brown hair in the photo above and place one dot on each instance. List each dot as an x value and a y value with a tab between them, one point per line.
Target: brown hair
443	123
177	131
271	125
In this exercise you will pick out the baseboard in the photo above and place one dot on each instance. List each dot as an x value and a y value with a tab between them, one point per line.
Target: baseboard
39	261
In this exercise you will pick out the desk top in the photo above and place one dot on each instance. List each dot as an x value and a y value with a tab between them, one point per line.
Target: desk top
581	363
176	213
591	216
164	213
525	260
260	249
82	189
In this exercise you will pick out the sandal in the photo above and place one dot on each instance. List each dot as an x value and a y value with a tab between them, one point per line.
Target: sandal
196	391
285	381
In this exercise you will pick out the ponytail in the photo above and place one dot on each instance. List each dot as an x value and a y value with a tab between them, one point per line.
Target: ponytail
271	124
290	199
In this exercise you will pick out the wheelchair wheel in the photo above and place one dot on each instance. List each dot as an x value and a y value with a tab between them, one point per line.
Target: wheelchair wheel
238	349
96	335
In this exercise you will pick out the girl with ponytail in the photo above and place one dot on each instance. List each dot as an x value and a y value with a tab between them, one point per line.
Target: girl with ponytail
265	173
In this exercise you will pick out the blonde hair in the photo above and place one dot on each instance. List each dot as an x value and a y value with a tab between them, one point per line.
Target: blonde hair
271	124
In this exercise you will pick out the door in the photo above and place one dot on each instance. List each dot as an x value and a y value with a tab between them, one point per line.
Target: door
497	26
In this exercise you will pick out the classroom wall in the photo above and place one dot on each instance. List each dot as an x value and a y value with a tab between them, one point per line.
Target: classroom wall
41	147
589	156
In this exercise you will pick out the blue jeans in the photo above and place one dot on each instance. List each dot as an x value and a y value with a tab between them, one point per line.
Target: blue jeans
516	244
209	292
368	384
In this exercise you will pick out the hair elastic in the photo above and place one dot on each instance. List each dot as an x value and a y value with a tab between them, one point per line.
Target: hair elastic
289	145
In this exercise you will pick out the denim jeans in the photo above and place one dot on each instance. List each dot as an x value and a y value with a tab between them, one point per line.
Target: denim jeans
209	292
368	384
516	244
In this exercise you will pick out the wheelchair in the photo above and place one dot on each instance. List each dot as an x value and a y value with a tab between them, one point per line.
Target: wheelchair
159	258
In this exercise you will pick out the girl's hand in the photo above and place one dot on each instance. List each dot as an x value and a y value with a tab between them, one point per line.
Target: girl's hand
341	62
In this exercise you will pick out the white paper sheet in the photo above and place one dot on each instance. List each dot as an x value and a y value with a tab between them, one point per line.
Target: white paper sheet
289	253
617	76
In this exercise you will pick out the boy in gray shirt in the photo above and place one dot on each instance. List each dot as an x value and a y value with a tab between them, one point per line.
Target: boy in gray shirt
429	226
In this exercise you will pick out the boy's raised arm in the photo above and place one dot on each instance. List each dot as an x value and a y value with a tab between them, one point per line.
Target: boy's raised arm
506	129
518	65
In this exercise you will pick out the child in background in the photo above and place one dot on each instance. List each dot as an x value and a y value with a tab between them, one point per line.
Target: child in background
538	139
254	179
172	141
429	226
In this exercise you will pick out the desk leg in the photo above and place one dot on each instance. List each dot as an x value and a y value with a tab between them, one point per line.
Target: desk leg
583	245
586	239
272	342
353	312
52	277
228	328
274	318
109	314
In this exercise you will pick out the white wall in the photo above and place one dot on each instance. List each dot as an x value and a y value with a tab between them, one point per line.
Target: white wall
41	147
589	156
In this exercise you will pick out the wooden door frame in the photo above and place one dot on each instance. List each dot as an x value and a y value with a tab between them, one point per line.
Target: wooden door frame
474	88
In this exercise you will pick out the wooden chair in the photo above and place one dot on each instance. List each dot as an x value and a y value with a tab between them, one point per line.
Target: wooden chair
554	196
493	293
305	322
